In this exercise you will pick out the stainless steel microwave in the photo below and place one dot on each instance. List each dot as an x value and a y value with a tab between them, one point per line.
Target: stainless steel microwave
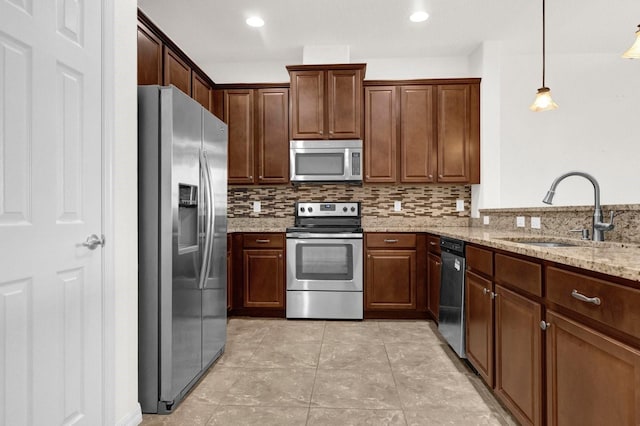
319	161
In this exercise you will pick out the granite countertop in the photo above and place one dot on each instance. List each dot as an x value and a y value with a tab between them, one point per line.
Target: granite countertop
616	259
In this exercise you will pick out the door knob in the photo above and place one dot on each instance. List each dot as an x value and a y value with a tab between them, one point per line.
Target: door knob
93	241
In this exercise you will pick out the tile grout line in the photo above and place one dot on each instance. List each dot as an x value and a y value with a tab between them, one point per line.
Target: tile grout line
315	375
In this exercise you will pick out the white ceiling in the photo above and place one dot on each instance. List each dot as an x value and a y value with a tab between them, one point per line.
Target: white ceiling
214	31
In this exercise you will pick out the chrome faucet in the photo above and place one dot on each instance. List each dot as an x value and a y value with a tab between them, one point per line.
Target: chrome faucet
598	227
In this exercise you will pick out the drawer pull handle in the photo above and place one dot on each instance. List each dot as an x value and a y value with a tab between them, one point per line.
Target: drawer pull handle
263	241
390	241
432	243
544	325
485	291
583	298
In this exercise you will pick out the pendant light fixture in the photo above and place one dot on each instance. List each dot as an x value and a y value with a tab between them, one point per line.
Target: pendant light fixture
634	50
543	101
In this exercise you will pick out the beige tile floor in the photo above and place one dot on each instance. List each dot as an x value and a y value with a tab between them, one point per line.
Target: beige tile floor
279	372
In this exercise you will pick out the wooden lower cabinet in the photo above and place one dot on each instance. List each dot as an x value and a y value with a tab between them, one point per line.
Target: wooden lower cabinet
518	355
263	278
479	325
592	379
390	279
434	267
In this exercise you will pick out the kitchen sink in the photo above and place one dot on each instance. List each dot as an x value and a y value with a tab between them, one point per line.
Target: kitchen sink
546	243
550	243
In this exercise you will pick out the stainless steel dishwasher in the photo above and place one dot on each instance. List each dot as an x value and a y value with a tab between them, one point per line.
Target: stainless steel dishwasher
451	318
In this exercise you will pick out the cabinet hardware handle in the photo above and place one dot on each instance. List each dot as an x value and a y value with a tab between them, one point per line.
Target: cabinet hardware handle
493	295
440	176
368	256
263	241
260	177
390	241
438	263
485	291
250	177
583	298
544	325
432	243
280	256
430	176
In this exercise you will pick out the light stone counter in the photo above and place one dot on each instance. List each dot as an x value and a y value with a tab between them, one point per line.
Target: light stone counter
616	259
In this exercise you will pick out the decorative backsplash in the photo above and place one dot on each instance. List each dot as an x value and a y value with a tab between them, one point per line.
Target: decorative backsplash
436	201
559	220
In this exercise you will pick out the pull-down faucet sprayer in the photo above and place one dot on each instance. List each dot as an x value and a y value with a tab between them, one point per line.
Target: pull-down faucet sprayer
598	227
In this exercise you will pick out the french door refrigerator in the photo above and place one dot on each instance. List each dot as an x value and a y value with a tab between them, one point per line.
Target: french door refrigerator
182	225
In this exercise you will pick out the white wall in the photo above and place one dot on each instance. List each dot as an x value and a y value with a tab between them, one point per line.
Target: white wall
125	198
377	69
594	130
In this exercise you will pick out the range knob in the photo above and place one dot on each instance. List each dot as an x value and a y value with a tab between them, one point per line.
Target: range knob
353	209
302	209
344	209
310	209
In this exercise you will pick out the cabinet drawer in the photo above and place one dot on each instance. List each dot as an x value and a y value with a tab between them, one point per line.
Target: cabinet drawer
618	305
518	273
480	260
263	241
433	244
391	240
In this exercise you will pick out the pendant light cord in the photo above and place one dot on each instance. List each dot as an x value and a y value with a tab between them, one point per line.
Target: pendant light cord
544	54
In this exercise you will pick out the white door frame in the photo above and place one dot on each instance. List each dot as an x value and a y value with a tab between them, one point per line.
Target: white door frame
108	252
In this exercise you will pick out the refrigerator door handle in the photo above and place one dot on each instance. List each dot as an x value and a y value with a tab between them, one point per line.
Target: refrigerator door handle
211	215
207	232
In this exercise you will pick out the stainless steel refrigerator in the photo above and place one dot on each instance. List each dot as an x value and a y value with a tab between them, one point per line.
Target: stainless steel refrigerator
182	210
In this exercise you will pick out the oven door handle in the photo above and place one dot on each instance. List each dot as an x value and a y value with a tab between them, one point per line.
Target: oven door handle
351	236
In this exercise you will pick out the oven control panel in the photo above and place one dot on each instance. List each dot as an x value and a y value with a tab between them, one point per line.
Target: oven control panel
347	209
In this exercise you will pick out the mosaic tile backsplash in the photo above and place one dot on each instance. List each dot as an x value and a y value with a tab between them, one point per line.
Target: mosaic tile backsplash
558	221
434	201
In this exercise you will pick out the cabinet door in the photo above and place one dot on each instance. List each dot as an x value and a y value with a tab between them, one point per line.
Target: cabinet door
479	325
238	114
434	264
518	354
592	379
390	281
417	144
263	278
457	156
344	103
176	71
149	57
201	90
273	136
307	104
380	134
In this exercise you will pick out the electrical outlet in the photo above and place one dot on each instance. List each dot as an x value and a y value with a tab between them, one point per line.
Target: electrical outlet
520	221
485	220
459	205
257	207
397	206
535	223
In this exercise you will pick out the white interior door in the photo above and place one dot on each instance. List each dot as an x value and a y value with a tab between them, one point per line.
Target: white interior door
50	202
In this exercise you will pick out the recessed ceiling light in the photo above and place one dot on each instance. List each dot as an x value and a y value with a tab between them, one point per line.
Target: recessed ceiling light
420	16
255	21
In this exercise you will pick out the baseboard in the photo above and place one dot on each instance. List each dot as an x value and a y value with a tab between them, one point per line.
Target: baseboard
134	418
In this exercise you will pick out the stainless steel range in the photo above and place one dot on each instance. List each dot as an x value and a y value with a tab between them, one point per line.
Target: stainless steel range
324	262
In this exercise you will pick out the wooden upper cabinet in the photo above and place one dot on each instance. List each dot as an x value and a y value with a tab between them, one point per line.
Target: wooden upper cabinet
458	133
307	105
380	134
417	138
272	142
238	114
149	57
326	101
344	89
176	71
201	90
